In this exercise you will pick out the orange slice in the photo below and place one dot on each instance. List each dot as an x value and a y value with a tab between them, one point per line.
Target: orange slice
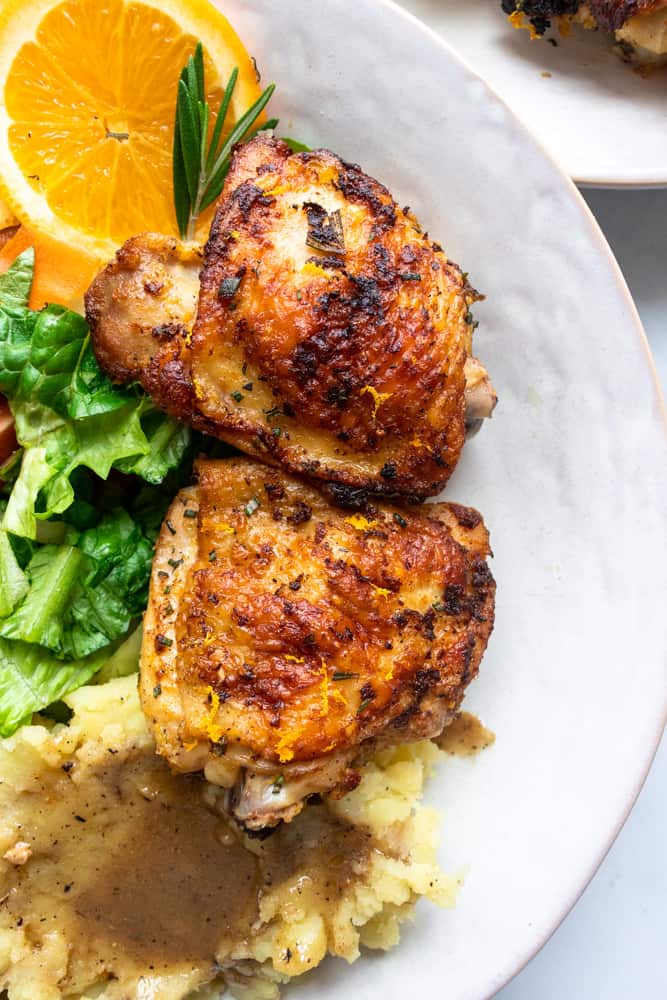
86	116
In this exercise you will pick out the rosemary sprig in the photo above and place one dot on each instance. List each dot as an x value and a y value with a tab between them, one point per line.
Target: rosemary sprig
200	167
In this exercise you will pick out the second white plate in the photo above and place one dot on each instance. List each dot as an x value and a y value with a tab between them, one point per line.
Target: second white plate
605	124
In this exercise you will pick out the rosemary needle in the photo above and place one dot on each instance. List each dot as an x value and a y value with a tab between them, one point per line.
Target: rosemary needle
200	166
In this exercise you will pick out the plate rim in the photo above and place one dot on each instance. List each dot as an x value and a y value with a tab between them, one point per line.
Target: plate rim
649	178
505	976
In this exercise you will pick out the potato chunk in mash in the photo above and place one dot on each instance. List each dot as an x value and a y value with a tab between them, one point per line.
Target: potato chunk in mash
119	878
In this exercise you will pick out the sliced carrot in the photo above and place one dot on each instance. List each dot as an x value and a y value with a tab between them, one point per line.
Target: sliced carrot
62	273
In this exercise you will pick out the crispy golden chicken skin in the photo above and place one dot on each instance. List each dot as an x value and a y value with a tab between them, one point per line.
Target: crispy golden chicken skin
332	336
286	639
148	298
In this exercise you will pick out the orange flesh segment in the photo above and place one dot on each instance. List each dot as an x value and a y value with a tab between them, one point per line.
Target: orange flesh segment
91	102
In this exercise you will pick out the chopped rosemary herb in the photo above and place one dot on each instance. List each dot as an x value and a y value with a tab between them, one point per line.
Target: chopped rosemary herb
278	784
219	749
247	386
343	675
190	513
228	288
157	690
252	506
212	556
400	521
438	606
364	705
325	230
237	396
172	529
175	563
275	411
163	641
470	319
410	276
276	431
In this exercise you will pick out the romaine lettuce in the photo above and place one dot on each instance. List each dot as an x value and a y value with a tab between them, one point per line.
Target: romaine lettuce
68	414
83	595
31	678
72	589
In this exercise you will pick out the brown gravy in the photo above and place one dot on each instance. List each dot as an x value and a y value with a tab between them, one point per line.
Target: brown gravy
466	736
135	869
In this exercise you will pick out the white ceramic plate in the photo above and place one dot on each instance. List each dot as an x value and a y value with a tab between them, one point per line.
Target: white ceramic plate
571	476
606	125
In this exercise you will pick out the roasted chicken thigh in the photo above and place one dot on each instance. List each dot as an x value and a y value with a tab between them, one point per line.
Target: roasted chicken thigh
639	26
332	336
287	639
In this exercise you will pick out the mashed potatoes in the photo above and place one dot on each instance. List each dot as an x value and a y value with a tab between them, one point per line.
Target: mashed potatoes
119	879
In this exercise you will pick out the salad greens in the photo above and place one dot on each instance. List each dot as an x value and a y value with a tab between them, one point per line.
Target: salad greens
77	527
68	414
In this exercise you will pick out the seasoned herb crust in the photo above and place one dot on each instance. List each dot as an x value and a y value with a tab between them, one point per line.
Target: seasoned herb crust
290	630
540	12
332	337
608	14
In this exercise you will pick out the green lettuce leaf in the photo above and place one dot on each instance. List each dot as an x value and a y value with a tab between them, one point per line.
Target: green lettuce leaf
16	282
168	442
13	581
47	359
54	448
31	678
75	552
86	593
68	414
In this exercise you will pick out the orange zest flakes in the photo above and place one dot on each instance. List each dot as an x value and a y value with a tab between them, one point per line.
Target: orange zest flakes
294	659
284	747
520	21
378	397
324	670
338	696
212	729
329	694
360	522
314	270
564	26
382	591
418	443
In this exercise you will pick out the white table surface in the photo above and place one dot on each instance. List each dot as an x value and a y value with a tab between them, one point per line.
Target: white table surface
613	944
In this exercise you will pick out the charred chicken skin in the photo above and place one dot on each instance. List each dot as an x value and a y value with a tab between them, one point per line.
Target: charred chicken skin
332	336
640	26
287	639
